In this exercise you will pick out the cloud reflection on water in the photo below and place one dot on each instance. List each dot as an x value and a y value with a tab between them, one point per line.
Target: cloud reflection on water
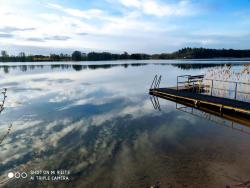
100	124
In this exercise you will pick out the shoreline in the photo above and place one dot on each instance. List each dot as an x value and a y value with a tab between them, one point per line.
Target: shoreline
148	61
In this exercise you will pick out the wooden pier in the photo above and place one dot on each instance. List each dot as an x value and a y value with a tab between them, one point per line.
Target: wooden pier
191	93
200	100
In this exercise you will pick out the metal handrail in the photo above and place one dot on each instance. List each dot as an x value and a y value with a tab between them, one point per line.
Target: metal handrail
190	79
233	82
230	90
200	78
227	81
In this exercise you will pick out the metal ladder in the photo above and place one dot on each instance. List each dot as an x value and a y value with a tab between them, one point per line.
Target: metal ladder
155	103
156	82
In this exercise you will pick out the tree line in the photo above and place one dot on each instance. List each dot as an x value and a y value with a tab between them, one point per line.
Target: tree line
185	53
7	68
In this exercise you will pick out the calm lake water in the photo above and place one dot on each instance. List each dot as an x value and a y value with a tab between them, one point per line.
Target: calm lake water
97	122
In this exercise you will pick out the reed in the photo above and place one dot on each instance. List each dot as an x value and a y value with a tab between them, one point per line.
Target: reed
230	74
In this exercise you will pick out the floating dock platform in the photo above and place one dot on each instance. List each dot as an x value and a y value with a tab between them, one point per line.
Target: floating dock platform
200	100
191	92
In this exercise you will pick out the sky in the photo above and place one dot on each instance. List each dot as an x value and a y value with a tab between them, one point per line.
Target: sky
135	26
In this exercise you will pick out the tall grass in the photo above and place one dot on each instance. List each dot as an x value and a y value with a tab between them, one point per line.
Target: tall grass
239	74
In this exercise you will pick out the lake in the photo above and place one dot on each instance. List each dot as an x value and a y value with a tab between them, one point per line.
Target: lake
94	121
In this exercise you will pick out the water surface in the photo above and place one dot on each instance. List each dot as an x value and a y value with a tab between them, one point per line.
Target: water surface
97	121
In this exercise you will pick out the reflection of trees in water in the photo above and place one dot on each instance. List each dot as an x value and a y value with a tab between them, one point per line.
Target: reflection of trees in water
23	68
188	66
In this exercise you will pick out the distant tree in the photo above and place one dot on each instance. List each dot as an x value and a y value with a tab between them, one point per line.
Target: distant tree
84	56
4	53
124	55
139	56
22	56
65	57
93	56
54	57
184	53
4	56
76	56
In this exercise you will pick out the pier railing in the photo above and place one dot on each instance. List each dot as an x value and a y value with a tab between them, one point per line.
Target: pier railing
227	89
234	90
189	82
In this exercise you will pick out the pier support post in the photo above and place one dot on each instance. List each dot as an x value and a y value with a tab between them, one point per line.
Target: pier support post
212	87
236	88
177	83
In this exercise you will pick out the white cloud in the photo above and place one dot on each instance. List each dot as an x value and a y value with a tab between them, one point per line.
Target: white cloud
126	31
88	14
135	26
131	3
153	7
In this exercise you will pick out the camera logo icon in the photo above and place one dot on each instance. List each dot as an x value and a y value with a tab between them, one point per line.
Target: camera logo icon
17	175
10	175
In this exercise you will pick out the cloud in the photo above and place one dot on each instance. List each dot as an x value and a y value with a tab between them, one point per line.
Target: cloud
35	39
131	3
83	33
13	29
88	14
57	37
149	26
221	40
5	35
43	39
155	8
